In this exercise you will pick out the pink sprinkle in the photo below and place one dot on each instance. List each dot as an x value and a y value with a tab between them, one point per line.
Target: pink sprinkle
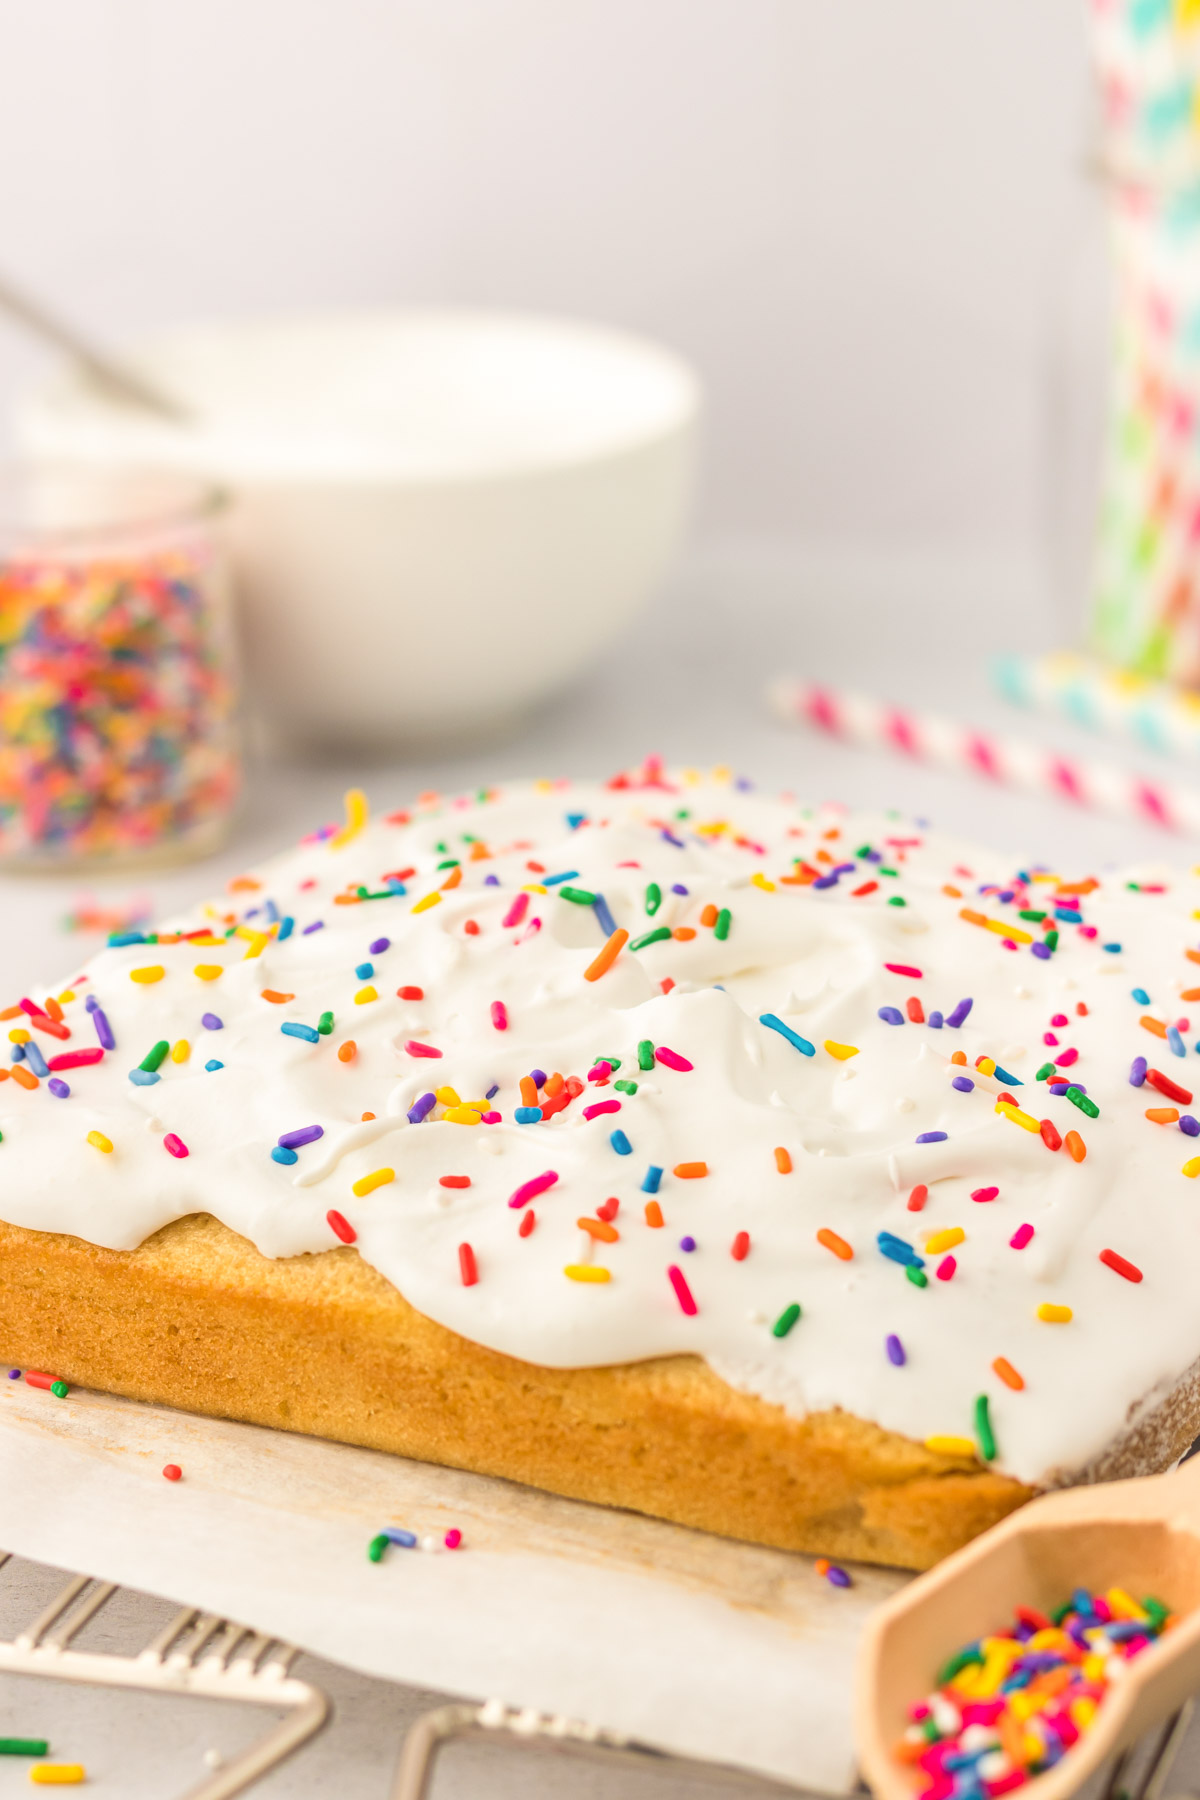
415	1049
1066	1059
1059	1020
1087	931
74	1059
683	1292
601	1106
672	1059
453	1538
175	1145
1020	1237
516	911
601	1072
903	969
529	1190
531	930
499	1015
491	1118
1048	1037
982	1194
946	1268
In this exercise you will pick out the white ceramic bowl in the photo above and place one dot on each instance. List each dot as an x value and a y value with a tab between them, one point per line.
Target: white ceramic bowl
441	516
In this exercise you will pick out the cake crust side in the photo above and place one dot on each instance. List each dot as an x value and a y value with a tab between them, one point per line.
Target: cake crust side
197	1318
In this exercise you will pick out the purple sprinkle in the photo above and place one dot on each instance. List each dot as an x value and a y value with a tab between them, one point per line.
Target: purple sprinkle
421	1108
825	881
91	1003
104	1030
895	1350
963	1083
959	1015
211	1022
58	1088
538	1077
935	1021
875	856
1189	1126
669	837
687	1243
1041	950
317	925
1137	1073
492	1091
14	1374
678	888
491	881
844	869
891	1015
304	1134
837	1577
933	1137
378	946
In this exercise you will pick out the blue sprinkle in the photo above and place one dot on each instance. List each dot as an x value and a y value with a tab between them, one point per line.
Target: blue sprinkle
317	925
281	1154
292	1028
1068	915
272	913
604	918
652	1179
575	820
935	1021
420	1109
1141	996
620	1143
17	1053
35	1059
1009	1080
895	1350
932	1137
687	1243
963	1083
211	1022
394	885
286	927
528	1115
677	887
959	1015
1174	1041
785	1031
897	1250
395	1534
117	939
1041	951
1113	949
143	1077
1189	1126
491	881
1137	1072
363	971
58	1088
213	1064
554	880
891	1015
378	946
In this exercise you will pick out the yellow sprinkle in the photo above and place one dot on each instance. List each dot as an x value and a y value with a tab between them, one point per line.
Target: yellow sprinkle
944	1240
377	1178
722	772
1125	1606
58	1774
534	887
1082	1711
154	972
206	943
986	1066
1009	931
18	1035
447	1096
1191	1166
1055	1315
951	1446
1017	1116
258	943
180	1050
461	1115
365	994
67	995
586	1272
1092	1668
841	1051
357	814
429	900
98	1141
760	881
692	777
208	971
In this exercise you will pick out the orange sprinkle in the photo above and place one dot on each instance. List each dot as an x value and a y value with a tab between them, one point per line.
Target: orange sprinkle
479	852
554	1085
654	1214
954	893
346	900
821	1566
452	880
1076	1148
275	997
682	933
12	1012
23	1076
1154	1025
1192	955
973	918
599	1228
783	1160
915	1010
960	1057
529	1095
1190	994
52	1009
833	1242
1008	1375
367	1116
1162	1115
244	884
608	955
691	1171
347	1051
707	917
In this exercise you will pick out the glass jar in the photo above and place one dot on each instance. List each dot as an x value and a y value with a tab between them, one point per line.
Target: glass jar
118	690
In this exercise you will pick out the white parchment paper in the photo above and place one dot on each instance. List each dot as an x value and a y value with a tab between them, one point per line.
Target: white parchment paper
689	1642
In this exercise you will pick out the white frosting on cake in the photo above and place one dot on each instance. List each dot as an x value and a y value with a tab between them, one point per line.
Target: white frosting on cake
815	957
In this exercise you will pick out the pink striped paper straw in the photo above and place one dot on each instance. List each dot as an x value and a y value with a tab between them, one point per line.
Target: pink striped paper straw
927	738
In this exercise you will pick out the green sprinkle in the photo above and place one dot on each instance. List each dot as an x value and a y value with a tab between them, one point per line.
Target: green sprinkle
929	1730
376	1548
651	937
1078	1098
653	898
1060	1612
154	1057
786	1320
983	1430
383	894
325	1024
60	1388
469	837
646	1054
918	1277
964	1658
897	900
442	849
1051	940
23	1746
451	862
721	928
1157	1611
1035	918
863	850
229	930
625	1087
614	1062
894	872
580	896
1045	1072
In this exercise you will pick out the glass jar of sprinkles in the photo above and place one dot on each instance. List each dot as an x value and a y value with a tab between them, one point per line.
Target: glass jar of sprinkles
118	691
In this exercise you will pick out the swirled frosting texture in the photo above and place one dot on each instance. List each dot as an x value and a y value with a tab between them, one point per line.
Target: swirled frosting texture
834	926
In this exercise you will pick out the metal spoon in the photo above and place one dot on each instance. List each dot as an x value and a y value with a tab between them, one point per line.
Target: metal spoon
106	370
